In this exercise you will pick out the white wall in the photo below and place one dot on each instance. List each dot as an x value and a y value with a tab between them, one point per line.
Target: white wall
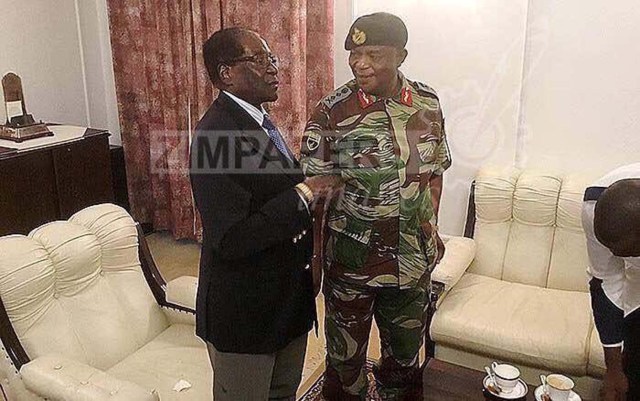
101	87
541	84
471	52
61	51
581	103
39	42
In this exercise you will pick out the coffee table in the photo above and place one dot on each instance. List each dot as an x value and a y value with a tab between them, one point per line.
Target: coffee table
442	382
446	382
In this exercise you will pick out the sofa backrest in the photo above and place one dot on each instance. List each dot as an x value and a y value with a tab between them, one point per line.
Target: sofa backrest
528	228
76	288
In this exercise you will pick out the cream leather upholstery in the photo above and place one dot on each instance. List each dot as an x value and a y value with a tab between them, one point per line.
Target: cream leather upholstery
525	296
520	331
458	256
597	366
66	379
77	298
182	291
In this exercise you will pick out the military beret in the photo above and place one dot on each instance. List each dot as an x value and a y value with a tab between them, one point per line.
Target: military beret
378	29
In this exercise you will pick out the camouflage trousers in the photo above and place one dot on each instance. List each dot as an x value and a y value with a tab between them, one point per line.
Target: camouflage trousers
401	318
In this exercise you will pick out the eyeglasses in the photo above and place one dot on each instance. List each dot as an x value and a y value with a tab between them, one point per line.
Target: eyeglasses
264	60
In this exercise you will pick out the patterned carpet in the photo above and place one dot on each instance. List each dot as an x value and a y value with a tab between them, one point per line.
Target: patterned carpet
315	392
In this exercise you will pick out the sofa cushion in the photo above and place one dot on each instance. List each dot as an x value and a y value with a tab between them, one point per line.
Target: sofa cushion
176	354
567	269
522	324
528	228
76	288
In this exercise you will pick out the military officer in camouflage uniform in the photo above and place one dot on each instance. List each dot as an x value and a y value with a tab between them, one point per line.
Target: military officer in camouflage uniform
384	135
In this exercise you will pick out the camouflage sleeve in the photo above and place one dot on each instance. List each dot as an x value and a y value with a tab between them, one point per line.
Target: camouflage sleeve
443	158
316	150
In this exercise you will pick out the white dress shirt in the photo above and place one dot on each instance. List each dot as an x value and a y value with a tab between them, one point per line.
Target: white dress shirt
620	276
254	112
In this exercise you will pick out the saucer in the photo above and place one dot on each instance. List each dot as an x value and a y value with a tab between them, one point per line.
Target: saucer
519	391
572	397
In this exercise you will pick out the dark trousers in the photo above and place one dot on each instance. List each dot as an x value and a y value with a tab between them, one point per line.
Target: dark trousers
258	377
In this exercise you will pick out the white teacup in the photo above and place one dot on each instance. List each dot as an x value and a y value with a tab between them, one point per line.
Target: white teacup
506	376
560	387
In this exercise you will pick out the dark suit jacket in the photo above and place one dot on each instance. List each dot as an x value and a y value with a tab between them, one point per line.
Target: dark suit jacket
255	290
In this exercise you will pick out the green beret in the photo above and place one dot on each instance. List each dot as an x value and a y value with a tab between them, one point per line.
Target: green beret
378	29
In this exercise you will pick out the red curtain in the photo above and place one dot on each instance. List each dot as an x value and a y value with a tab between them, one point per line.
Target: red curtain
163	88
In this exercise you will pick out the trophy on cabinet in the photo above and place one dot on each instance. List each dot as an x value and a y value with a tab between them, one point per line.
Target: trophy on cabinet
20	125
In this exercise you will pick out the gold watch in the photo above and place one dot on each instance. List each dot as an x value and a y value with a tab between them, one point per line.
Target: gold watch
306	191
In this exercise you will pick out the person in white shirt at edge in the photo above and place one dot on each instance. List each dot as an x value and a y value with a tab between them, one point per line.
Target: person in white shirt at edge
611	220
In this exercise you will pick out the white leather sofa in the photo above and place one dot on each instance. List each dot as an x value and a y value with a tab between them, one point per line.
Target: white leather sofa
524	298
82	320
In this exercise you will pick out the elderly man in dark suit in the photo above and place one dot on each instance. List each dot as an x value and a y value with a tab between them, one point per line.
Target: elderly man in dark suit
255	302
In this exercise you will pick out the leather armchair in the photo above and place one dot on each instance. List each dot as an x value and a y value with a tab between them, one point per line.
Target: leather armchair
85	315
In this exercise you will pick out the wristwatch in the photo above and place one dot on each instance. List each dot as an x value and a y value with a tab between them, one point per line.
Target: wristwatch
304	189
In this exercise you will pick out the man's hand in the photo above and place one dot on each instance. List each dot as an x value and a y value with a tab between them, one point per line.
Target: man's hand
430	232
324	185
440	247
615	385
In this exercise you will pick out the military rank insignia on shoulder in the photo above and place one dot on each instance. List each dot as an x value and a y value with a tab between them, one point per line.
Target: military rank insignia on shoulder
313	140
340	94
425	89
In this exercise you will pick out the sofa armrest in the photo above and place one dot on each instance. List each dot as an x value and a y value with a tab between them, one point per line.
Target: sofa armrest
458	256
59	378
181	292
180	300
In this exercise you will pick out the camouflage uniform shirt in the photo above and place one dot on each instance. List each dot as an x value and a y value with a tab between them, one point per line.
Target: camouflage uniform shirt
386	150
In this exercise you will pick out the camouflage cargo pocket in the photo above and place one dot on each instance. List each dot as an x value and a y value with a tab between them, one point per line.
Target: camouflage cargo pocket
352	237
428	245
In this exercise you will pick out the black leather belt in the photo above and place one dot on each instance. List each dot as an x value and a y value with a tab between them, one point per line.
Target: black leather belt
593	193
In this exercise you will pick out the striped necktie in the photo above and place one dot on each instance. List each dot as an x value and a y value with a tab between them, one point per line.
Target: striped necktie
276	137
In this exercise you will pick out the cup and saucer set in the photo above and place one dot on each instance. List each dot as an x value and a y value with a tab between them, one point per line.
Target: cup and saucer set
503	382
556	387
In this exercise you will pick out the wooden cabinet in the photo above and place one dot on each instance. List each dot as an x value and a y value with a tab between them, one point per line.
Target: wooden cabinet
53	182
